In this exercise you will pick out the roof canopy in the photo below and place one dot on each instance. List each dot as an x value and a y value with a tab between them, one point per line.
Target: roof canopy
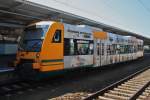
19	13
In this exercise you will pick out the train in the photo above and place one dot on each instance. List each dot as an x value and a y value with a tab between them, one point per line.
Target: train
49	46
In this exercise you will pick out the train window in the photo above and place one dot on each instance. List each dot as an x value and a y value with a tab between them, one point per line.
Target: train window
77	47
121	49
131	48
134	49
69	48
57	37
126	49
114	49
108	49
140	47
84	47
98	49
72	47
102	49
111	49
66	47
118	48
91	47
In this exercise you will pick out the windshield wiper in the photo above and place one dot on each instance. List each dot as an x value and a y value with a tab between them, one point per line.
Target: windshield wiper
20	47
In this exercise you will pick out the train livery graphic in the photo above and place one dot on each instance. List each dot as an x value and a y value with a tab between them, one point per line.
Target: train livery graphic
48	46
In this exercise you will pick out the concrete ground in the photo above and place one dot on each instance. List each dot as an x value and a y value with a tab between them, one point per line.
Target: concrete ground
91	82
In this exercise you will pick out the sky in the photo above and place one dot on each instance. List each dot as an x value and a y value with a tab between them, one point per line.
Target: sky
130	15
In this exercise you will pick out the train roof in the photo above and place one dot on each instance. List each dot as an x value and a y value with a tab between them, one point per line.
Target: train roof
78	28
41	23
87	29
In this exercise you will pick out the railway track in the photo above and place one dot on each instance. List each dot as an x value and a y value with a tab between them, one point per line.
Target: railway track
14	87
19	86
133	87
133	84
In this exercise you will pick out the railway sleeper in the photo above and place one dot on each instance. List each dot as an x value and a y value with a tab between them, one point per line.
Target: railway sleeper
129	83
145	94
122	90
120	93
116	96
127	88
132	85
104	98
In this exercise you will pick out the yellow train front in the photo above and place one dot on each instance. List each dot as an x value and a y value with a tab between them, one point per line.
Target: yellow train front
48	46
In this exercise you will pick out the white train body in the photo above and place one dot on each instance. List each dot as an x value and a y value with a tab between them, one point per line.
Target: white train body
114	49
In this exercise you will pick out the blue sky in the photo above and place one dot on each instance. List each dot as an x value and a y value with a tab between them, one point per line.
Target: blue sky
132	15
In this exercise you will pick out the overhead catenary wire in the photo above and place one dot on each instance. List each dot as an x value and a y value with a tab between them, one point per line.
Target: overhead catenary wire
107	4
116	22
88	12
144	6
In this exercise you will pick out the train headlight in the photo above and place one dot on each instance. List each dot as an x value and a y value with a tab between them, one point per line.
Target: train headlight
37	55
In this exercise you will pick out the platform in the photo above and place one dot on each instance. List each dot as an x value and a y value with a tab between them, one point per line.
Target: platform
6	69
6	74
5	60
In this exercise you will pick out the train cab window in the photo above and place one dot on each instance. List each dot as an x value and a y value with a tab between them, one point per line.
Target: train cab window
57	37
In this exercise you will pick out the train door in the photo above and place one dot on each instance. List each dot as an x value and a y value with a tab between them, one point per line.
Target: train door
111	54
103	53
97	52
100	39
107	53
118	53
